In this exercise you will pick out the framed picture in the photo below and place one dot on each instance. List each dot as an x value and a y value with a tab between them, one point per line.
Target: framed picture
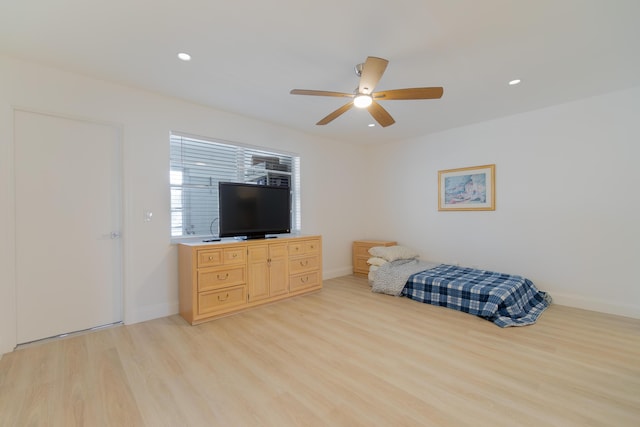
467	189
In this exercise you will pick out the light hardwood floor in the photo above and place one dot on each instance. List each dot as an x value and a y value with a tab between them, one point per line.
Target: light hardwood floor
340	357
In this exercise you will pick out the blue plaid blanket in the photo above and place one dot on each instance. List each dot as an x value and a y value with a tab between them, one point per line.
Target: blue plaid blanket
504	299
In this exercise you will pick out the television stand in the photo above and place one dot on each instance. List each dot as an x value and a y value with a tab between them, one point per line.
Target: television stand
221	278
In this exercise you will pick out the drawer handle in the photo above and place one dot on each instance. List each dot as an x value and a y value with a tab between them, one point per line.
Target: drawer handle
225	277
305	263
304	279
225	298
234	255
210	257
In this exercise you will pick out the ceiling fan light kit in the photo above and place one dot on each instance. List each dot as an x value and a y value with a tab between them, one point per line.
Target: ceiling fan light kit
362	101
364	96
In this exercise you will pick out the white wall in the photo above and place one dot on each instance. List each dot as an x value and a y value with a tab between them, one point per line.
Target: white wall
566	192
566	205
150	264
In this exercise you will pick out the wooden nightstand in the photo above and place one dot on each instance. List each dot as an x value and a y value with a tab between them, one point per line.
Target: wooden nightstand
361	254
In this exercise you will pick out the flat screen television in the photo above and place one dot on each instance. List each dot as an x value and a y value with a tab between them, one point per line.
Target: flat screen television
253	211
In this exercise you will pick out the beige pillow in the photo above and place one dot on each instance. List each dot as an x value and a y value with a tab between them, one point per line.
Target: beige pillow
392	253
376	261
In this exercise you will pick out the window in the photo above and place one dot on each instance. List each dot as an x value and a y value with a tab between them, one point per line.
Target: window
198	164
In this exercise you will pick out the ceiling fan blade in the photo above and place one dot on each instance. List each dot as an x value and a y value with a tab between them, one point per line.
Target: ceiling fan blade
372	72
380	114
411	93
319	93
340	111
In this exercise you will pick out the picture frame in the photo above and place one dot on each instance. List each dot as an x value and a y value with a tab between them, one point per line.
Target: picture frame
467	189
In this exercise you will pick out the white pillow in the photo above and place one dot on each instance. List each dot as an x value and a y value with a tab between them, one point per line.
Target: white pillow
376	261
392	253
371	276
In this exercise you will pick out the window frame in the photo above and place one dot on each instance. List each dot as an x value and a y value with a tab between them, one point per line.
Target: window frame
187	192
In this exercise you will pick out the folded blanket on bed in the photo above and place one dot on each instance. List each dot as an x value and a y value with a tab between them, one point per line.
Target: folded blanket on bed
504	299
391	277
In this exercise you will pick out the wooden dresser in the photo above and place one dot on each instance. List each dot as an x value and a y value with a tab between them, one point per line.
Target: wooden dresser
221	278
361	254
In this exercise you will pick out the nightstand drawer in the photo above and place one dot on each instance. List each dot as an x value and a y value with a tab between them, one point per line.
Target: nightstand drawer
361	254
362	250
361	265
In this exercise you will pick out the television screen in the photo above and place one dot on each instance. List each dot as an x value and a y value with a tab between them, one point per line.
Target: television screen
253	210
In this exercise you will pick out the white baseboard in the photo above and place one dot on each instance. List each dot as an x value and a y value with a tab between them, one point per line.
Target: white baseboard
585	303
337	272
4	350
628	310
576	301
151	312
143	314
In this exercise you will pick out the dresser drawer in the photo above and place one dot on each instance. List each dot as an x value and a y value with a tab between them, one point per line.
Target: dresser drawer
305	247
304	280
210	258
221	256
235	255
221	277
306	263
312	246
222	299
296	248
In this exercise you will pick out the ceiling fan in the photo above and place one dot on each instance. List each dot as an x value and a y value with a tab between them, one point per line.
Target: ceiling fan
363	96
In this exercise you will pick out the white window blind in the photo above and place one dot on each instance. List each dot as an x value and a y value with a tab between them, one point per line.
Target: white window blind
198	164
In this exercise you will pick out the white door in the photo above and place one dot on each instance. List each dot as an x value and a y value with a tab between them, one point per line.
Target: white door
68	223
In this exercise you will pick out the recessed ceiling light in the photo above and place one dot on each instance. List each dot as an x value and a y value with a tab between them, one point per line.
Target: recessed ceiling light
514	82
371	125
184	56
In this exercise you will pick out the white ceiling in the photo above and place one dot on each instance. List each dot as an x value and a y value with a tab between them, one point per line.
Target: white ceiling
248	55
